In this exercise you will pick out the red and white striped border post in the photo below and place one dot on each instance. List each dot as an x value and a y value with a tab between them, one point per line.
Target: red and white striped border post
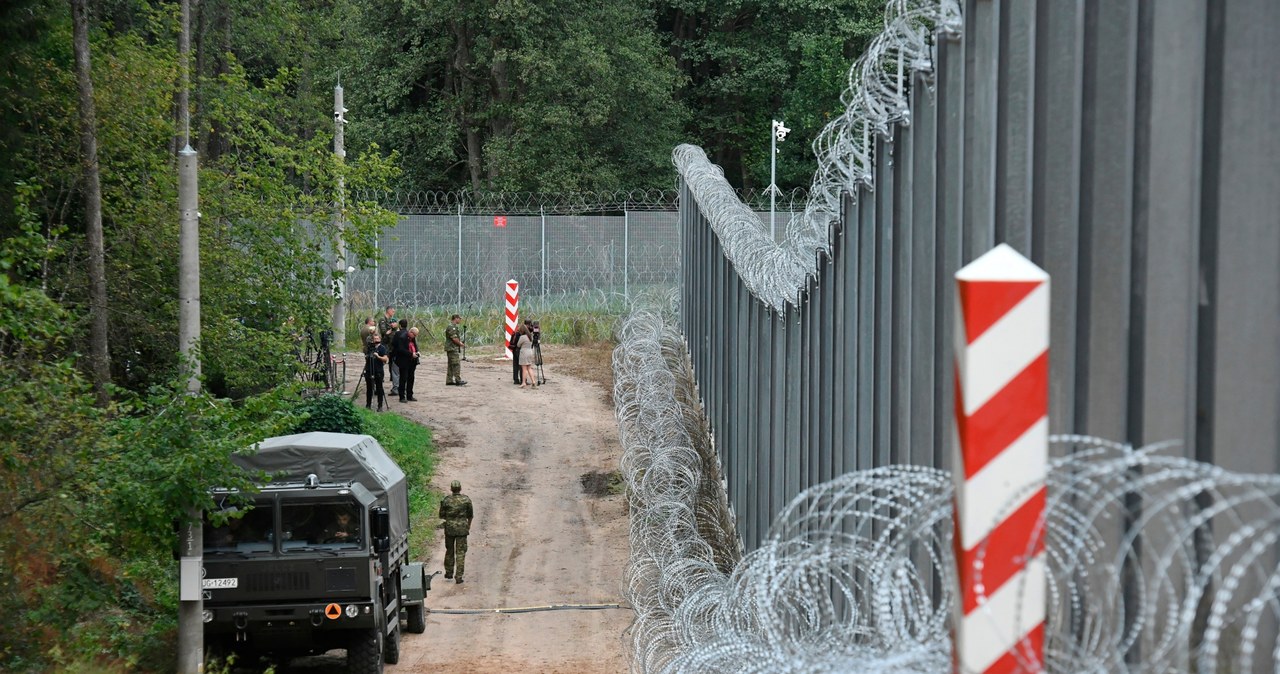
512	313
1001	455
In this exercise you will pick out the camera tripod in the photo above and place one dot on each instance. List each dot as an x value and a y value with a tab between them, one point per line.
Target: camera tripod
537	363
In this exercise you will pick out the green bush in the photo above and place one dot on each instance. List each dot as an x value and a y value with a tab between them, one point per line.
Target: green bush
329	413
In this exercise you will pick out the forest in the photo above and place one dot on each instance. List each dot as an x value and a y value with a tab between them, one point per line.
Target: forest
101	448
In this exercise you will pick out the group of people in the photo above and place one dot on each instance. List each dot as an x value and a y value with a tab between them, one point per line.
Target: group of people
524	353
390	345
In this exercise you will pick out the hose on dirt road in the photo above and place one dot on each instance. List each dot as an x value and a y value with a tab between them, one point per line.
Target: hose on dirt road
529	609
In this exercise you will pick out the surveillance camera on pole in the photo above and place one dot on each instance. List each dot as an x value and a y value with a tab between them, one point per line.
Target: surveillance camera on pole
780	132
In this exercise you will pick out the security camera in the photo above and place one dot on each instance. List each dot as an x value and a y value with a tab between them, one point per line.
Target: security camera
780	130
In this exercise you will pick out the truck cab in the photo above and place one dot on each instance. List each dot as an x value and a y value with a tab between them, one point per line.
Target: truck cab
314	562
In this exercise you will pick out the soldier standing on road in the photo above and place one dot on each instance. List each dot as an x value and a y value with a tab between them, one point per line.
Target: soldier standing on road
456	512
453	349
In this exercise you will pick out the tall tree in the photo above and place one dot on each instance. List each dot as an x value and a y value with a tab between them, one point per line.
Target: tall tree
100	363
557	95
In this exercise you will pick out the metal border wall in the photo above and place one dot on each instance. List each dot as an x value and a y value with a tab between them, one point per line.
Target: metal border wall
1126	146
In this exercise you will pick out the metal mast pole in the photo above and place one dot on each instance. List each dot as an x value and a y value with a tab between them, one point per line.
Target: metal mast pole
340	261
773	180
191	542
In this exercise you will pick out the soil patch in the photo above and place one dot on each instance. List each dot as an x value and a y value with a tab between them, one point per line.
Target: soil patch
597	483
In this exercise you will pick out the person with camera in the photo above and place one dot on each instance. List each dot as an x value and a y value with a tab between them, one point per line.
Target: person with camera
375	358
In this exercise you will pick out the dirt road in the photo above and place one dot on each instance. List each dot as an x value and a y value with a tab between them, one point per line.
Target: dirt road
538	537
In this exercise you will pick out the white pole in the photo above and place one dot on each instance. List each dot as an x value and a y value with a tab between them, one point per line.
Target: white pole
773	180
542	211
191	542
459	257
1000	458
340	284
626	253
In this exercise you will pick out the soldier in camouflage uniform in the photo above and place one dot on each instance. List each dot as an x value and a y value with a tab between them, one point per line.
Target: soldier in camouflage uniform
456	512
452	347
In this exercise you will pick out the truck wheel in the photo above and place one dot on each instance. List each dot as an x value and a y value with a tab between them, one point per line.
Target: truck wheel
417	619
391	655
364	654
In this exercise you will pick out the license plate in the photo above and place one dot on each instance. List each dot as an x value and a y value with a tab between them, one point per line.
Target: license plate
221	583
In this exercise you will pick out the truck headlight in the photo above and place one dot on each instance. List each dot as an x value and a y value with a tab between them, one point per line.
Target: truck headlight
352	610
207	615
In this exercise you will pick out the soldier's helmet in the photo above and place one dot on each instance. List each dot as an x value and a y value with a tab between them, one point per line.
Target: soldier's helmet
456	486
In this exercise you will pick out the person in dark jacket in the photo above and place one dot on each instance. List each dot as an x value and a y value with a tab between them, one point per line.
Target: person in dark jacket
401	355
375	360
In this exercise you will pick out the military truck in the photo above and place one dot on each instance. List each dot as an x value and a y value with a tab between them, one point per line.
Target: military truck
319	560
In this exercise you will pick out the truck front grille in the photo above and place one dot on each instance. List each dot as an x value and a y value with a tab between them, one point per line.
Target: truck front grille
278	581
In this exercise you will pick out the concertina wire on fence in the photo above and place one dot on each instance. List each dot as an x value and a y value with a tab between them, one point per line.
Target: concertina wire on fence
857	574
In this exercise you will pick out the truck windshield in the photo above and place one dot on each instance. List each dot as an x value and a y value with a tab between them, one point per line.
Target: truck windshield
321	524
250	532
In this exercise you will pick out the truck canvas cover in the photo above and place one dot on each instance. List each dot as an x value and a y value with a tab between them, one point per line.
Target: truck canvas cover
336	457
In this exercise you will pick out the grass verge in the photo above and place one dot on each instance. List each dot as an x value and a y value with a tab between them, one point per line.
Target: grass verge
413	448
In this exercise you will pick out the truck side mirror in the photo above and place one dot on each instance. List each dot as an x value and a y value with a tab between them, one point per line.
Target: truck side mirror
380	521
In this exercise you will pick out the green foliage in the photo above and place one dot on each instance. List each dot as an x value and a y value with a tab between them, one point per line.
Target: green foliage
750	61
559	95
412	447
328	413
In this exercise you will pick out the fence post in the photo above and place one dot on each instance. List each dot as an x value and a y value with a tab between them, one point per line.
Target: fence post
542	212
626	253
459	257
1002	446
512	313
377	263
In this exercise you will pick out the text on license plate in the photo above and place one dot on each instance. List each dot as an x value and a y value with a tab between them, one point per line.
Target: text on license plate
220	583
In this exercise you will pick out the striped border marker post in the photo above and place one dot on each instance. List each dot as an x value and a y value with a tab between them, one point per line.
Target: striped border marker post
512	313
1001	454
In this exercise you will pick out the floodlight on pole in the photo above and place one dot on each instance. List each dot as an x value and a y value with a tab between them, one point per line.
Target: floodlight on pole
780	132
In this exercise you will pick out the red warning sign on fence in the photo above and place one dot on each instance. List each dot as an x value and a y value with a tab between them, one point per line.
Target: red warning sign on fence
499	221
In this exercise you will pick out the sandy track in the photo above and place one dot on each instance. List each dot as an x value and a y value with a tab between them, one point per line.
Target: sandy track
537	539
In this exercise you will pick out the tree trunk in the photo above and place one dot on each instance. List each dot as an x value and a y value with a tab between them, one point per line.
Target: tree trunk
98	355
462	64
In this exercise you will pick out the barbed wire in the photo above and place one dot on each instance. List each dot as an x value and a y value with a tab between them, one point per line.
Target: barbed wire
1156	563
451	202
876	97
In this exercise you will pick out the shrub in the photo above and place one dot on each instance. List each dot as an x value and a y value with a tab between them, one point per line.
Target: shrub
330	413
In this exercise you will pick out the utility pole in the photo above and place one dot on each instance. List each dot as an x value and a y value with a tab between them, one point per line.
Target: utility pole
191	542
340	261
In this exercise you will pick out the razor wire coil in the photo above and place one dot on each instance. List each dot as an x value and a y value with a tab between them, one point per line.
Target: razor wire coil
1156	563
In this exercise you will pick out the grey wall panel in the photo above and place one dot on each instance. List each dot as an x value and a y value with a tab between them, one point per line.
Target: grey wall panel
950	198
1106	208
882	435
900	376
981	47
1247	382
1015	112
1166	224
1056	189
866	379
923	272
847	350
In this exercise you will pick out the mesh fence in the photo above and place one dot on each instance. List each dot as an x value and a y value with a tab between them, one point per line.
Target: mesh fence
437	263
